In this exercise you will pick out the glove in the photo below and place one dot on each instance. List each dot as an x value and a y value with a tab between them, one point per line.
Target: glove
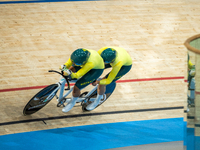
67	72
94	83
192	72
62	67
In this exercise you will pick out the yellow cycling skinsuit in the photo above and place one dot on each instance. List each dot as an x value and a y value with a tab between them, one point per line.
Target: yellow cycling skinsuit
88	72
191	70
190	64
121	65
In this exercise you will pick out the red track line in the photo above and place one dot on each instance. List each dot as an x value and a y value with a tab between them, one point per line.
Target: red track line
198	93
119	81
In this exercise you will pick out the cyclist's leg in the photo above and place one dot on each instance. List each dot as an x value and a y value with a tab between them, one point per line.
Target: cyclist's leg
121	73
102	88
81	83
72	102
75	92
85	80
88	78
100	96
124	70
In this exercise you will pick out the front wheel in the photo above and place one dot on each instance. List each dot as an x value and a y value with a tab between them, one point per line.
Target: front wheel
40	99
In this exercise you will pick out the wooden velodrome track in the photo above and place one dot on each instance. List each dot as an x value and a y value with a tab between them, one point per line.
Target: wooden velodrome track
37	37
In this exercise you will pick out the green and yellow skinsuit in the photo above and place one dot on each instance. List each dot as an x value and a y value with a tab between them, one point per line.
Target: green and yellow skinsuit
121	65
88	72
191	70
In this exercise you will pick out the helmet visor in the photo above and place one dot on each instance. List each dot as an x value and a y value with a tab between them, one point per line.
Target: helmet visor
78	64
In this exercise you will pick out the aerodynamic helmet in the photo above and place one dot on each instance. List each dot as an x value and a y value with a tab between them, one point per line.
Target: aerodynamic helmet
80	56
109	55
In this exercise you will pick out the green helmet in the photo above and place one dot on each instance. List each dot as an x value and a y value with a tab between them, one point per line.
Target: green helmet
80	56
109	55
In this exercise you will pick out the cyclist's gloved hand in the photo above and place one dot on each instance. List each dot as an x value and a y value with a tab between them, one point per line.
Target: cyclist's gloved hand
94	83
192	71
67	72
62	67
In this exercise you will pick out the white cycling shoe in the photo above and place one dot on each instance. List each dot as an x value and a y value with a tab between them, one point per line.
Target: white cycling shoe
98	100
70	105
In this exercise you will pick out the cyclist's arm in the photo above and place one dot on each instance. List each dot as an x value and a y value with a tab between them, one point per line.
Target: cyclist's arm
112	74
68	64
87	67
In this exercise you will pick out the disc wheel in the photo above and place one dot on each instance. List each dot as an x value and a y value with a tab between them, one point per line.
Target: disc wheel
40	99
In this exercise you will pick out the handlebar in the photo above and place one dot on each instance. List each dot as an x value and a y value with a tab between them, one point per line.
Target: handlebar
65	77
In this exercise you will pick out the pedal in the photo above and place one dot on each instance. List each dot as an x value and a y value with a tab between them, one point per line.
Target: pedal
85	103
61	103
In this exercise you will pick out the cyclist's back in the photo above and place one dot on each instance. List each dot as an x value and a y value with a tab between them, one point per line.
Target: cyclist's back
122	55
120	65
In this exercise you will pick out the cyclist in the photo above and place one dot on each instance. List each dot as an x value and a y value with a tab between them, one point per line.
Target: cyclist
191	67
121	63
191	70
86	66
191	84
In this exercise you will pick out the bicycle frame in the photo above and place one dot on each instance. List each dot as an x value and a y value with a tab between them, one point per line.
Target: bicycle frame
61	84
44	96
62	95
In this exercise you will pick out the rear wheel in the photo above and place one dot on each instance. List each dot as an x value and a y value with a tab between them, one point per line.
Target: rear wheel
41	99
109	90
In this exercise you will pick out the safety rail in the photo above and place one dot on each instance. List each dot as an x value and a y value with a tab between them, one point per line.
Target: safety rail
189	47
